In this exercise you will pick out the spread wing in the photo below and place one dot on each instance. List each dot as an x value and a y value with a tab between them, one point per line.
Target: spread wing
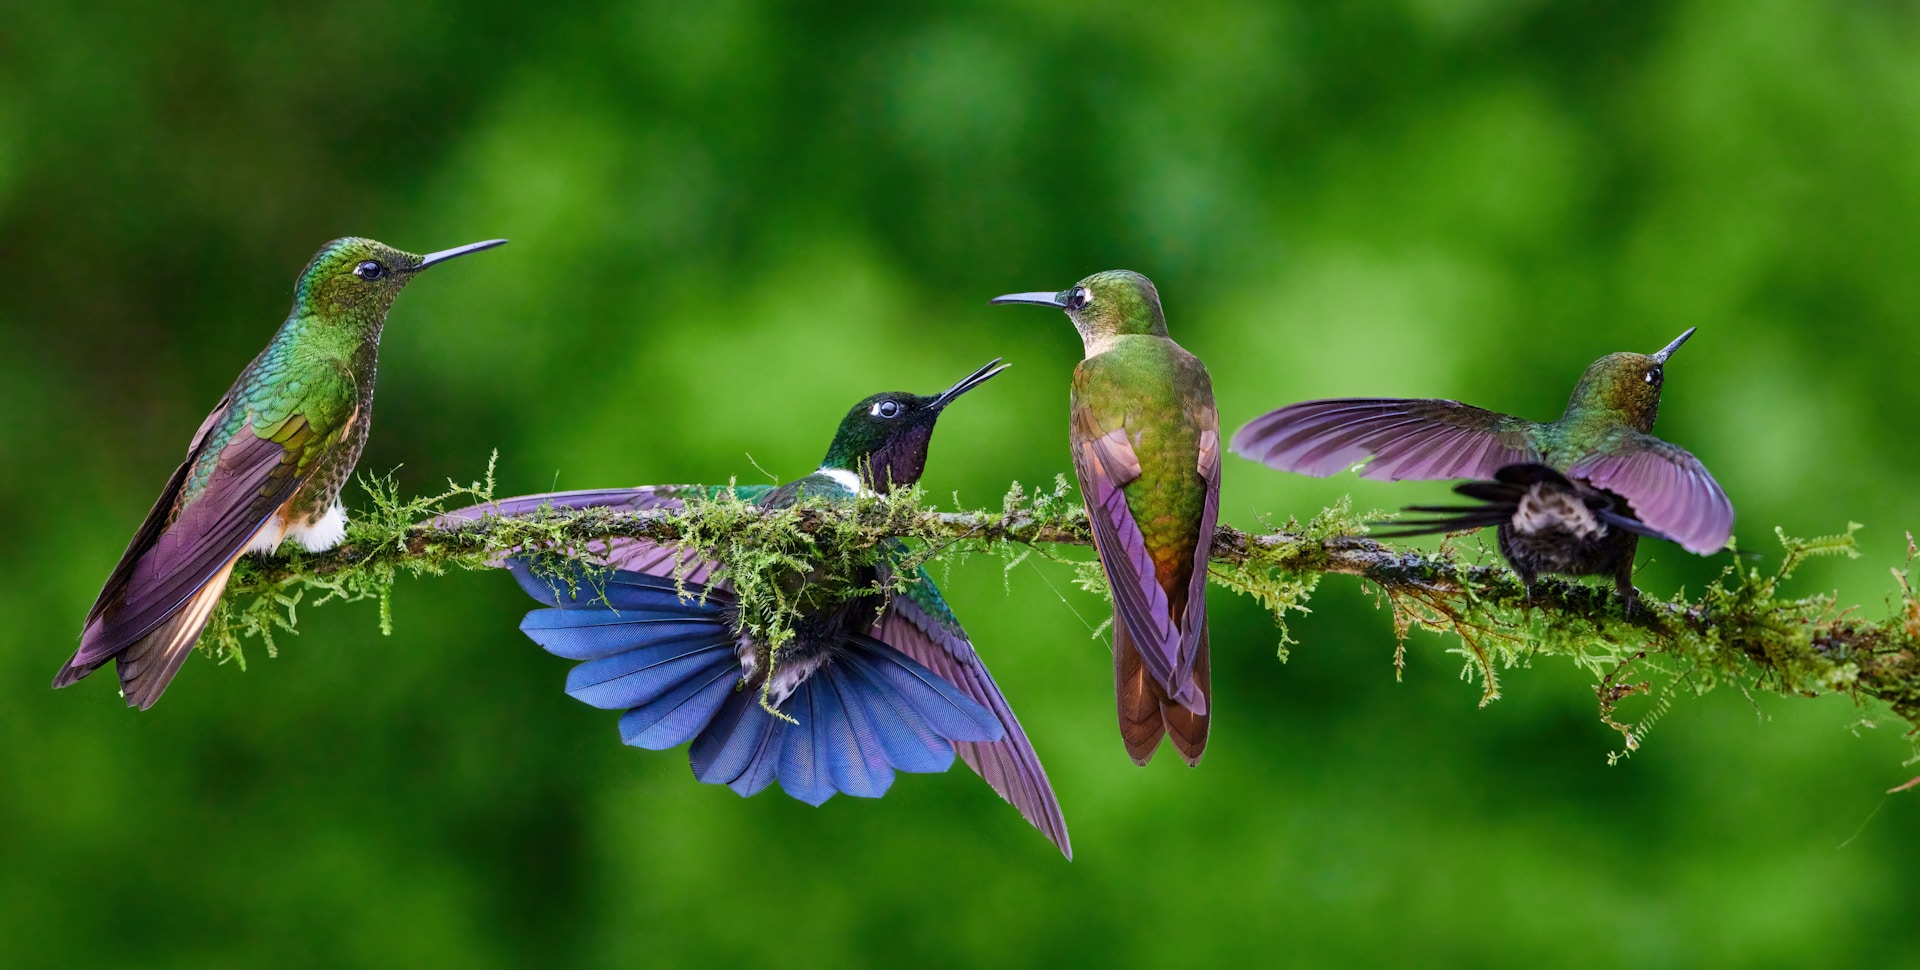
637	499
918	623
636	555
187	541
1668	488
1421	439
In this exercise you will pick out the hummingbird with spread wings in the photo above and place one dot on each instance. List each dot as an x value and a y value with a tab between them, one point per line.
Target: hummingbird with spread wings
1145	437
265	467
1571	496
881	682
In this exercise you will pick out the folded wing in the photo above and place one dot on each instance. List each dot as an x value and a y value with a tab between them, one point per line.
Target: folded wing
179	553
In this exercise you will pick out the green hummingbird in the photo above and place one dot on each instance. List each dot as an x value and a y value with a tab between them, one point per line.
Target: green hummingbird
1146	448
1571	496
266	466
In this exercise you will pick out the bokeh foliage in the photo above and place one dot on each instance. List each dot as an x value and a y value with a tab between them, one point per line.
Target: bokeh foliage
1465	199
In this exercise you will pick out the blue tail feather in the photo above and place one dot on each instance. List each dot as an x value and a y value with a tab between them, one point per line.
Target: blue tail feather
597	634
638	677
861	724
741	747
678	714
907	741
954	715
839	743
715	758
765	765
803	770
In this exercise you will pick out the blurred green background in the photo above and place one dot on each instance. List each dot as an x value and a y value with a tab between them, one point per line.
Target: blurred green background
730	220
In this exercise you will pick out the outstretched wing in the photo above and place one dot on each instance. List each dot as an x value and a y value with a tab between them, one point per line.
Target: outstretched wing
637	499
1421	439
637	555
919	624
1668	488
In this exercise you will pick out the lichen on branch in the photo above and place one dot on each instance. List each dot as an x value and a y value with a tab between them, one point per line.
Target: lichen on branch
1744	629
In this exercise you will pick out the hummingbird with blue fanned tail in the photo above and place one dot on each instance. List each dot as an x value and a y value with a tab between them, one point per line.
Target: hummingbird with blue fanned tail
1145	438
869	685
1571	496
265	467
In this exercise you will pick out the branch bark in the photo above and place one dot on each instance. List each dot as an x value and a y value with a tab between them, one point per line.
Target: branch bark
1792	646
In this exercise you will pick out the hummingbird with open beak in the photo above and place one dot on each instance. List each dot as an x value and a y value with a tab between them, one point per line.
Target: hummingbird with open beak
879	682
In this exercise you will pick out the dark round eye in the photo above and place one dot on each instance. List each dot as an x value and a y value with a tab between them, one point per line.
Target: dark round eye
369	270
1655	376
1079	298
887	409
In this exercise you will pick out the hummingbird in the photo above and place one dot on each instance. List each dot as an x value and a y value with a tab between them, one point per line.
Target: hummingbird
1146	448
1571	496
869	685
265	467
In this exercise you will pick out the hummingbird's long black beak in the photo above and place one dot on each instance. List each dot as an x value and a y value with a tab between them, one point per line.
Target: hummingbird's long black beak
1037	299
969	382
1668	350
443	255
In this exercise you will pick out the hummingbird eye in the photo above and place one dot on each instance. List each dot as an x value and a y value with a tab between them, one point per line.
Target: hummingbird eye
886	409
1654	376
369	270
1079	298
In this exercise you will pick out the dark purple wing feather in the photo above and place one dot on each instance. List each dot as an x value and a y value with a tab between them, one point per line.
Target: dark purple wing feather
1423	439
157	518
249	484
1668	488
1009	765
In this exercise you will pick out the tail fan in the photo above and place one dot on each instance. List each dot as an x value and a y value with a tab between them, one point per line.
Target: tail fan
670	661
1501	498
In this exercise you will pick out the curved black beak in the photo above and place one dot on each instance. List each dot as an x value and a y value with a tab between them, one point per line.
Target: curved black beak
969	382
1037	299
1668	350
433	259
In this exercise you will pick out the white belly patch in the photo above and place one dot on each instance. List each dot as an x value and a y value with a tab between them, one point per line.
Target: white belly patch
322	533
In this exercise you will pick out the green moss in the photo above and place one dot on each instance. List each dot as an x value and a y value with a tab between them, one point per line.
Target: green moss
1744	629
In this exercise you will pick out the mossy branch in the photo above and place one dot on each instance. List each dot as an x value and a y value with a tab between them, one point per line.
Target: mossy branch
1742	629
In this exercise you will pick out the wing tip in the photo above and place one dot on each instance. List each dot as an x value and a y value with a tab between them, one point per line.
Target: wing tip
71	674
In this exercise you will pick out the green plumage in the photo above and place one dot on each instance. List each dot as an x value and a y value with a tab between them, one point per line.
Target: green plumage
267	465
1162	397
1145	438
